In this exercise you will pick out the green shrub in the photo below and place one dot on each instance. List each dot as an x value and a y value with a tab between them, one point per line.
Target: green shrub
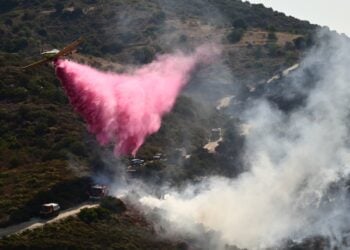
289	46
143	55
78	148
273	50
112	48
235	35
300	43
113	204
54	155
89	215
291	57
272	36
271	28
239	24
183	38
42	32
16	45
15	162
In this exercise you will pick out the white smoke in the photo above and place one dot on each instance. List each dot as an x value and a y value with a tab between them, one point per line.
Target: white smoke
294	159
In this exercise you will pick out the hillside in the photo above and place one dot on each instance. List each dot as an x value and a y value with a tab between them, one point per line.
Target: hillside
45	150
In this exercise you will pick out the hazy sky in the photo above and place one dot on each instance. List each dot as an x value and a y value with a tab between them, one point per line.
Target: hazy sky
333	13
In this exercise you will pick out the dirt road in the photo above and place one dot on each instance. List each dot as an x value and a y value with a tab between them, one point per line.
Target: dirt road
37	222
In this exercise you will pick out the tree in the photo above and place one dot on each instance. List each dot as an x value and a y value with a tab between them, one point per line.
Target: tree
272	36
235	35
289	46
274	50
239	24
300	43
271	28
88	215
112	48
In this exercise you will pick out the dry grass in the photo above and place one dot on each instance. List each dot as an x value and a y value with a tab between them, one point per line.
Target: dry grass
260	37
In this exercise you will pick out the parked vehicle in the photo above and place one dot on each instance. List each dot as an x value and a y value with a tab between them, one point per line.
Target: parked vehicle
49	210
98	191
136	162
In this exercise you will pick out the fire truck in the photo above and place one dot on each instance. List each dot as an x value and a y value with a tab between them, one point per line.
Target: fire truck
98	191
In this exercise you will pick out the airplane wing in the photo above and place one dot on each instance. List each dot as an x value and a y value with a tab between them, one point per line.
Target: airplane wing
37	63
69	48
66	50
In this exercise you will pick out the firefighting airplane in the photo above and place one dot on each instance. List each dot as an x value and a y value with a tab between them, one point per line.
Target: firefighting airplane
55	53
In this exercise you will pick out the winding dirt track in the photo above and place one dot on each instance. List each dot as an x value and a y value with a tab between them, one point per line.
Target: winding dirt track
37	222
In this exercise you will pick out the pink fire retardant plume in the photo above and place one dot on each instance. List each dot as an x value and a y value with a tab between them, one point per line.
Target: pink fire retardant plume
125	108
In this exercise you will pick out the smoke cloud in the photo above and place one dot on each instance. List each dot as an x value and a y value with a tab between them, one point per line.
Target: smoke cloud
126	108
296	166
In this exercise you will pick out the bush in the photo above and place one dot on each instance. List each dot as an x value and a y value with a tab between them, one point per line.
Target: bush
239	24
15	162
289	46
40	129
112	48
272	36
273	50
235	35
183	38
300	43
143	55
16	44
291	58
17	94
113	204
271	28
42	32
78	148
89	215
54	155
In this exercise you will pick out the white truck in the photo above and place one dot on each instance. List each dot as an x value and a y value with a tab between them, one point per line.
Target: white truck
49	210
